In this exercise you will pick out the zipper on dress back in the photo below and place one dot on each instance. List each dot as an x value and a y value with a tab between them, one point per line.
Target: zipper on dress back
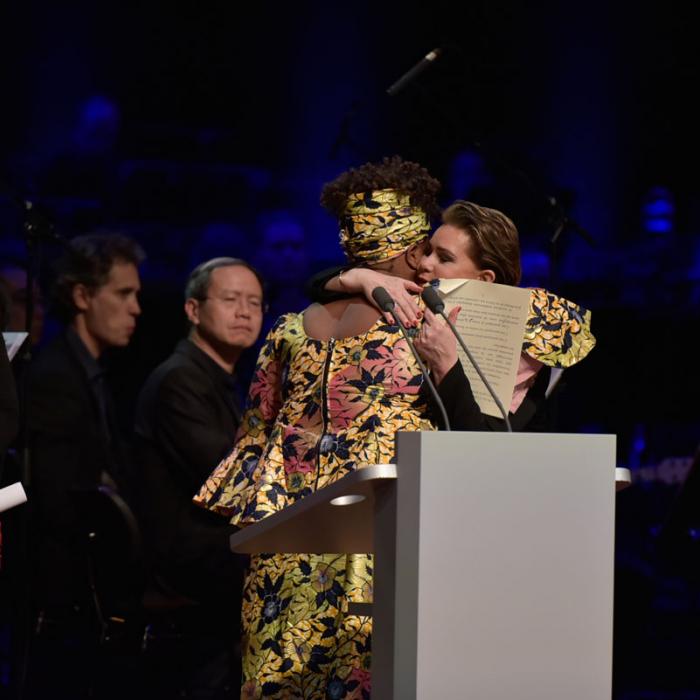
324	406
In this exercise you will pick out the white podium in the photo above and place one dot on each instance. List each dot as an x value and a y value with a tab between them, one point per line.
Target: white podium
493	562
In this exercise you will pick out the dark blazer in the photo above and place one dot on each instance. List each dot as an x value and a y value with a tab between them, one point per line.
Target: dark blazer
535	413
68	449
186	422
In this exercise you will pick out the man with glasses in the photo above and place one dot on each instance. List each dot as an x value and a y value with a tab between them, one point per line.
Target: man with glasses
186	421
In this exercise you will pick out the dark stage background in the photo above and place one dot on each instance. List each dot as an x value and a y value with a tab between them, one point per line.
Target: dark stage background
196	129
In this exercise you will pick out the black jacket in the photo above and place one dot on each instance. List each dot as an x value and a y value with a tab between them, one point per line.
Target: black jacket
535	413
70	448
186	422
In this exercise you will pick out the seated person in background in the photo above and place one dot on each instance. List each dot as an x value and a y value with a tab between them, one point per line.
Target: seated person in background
478	243
187	416
73	433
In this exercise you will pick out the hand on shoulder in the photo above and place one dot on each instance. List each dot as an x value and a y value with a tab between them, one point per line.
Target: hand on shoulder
363	280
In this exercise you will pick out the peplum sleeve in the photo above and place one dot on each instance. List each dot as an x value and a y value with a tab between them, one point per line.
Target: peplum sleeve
558	332
235	487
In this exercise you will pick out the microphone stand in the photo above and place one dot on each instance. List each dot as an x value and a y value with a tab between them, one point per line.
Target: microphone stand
409	79
456	119
386	303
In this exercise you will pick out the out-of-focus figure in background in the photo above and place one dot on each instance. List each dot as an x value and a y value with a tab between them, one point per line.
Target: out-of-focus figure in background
282	256
87	166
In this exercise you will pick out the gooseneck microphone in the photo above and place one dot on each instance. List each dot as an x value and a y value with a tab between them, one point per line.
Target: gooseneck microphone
414	72
437	306
386	303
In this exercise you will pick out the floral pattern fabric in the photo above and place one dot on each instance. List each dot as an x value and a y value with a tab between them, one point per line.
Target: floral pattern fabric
557	331
380	225
316	411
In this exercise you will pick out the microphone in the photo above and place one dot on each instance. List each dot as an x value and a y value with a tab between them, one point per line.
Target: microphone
414	72
435	303
386	303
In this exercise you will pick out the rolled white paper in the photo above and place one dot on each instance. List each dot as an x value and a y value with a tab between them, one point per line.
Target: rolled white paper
12	496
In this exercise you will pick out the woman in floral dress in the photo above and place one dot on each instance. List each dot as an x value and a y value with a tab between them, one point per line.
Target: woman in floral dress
331	387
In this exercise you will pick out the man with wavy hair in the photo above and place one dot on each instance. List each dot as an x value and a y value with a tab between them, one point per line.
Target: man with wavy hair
74	435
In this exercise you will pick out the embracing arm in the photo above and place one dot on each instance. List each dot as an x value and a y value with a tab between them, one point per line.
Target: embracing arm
455	391
461	407
322	287
340	282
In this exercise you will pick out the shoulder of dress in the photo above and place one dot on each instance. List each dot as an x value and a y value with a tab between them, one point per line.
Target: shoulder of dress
288	324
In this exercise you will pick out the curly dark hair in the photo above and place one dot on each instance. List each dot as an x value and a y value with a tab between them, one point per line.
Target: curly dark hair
392	173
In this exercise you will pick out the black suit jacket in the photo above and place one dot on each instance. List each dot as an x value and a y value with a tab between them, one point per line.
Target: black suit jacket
535	413
69	449
186	422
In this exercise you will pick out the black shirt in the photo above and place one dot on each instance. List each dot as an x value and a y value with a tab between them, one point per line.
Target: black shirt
97	379
186	422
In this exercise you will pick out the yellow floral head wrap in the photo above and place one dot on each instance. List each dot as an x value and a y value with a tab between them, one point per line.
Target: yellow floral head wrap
380	225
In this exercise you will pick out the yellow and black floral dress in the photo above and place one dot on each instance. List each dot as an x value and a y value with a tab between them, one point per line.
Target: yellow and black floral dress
316	411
